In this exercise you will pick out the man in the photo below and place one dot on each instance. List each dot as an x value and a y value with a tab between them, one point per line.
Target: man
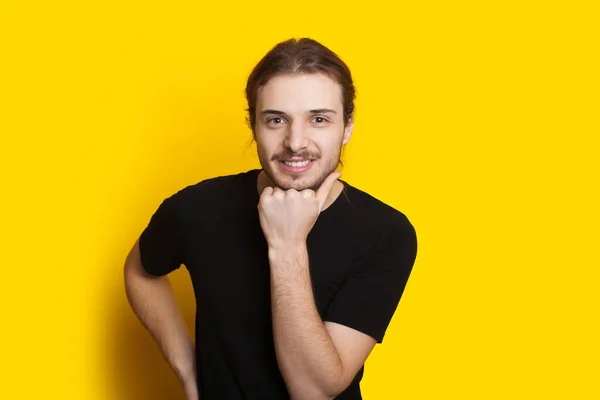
296	273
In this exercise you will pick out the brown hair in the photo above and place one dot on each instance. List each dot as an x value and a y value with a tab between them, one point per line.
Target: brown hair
300	56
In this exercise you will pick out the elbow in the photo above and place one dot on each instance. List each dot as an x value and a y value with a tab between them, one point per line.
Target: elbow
311	394
336	384
334	389
314	394
322	390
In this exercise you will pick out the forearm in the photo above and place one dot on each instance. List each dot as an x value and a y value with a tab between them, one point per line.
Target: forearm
153	301
307	358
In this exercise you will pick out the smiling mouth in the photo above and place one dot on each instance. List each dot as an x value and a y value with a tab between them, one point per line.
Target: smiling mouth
296	164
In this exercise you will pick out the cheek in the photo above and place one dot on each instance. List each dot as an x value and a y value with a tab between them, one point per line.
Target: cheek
331	145
266	144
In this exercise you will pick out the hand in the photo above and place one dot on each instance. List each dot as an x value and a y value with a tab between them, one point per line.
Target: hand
286	217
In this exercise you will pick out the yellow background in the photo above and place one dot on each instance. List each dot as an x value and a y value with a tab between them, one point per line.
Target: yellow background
478	120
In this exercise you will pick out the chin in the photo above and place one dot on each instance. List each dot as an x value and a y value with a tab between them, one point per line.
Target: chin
300	182
287	181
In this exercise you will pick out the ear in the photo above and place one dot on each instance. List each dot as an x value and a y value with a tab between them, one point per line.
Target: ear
348	130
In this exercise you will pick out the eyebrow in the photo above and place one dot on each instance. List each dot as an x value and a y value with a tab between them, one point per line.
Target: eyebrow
315	111
323	111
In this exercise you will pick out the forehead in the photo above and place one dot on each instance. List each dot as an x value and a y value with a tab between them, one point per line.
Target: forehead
296	93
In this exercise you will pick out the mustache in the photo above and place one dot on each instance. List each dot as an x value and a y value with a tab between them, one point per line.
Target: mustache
288	155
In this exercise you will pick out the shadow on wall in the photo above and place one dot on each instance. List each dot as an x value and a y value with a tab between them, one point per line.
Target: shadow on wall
137	369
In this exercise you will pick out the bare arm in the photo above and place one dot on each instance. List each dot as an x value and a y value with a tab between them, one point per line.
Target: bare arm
317	360
154	303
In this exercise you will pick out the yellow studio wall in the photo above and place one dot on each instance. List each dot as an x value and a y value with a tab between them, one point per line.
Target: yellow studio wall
478	120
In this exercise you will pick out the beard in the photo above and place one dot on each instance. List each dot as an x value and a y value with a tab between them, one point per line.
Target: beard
312	179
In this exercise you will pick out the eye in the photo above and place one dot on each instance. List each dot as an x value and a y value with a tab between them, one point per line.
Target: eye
320	120
275	120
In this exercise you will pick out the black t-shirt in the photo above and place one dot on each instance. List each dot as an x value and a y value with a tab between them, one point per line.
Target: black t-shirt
361	252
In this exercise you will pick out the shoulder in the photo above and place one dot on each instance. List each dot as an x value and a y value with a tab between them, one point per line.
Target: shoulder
211	194
373	213
376	229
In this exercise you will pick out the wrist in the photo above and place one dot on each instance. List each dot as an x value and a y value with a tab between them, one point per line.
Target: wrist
185	373
286	249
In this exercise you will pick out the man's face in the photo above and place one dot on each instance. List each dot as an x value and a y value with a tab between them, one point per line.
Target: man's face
300	129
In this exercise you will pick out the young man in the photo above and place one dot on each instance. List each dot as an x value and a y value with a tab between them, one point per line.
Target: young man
296	273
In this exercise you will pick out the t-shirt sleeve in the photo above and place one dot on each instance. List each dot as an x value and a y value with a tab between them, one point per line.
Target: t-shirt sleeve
159	242
369	298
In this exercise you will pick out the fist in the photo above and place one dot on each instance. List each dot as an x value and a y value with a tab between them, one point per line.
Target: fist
287	216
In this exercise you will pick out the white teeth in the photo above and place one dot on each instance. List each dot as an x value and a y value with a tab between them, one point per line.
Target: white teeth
296	164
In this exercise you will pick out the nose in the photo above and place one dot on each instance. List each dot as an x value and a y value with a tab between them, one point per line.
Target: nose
296	137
